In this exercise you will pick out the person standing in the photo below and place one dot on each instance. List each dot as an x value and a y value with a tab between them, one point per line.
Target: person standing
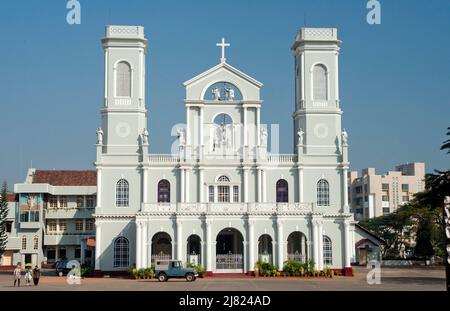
17	275
28	277
36	275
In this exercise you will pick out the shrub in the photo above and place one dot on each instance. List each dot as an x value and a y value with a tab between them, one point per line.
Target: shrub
200	270
268	269
133	272
141	273
149	273
86	270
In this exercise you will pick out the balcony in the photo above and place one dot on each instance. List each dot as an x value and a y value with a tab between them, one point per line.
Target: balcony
163	158
235	208
30	225
65	238
62	213
281	158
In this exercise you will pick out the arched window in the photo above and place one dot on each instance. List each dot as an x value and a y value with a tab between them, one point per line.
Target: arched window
323	193
282	191
164	191
24	242
320	83
123	79
223	178
223	191
122	193
327	251
121	253
35	242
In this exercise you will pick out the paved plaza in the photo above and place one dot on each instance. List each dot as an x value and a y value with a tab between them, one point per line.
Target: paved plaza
409	279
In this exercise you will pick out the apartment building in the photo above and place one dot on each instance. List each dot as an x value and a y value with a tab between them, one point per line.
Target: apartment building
373	195
51	218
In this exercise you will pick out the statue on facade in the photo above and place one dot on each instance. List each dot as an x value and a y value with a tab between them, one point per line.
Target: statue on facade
145	137
344	137
300	136
263	136
229	93
99	136
216	93
181	136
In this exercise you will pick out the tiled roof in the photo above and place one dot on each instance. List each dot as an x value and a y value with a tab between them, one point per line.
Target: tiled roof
11	197
65	178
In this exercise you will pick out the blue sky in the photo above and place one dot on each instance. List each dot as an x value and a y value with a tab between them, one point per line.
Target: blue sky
394	77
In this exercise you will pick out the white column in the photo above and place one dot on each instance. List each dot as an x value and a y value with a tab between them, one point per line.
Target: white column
345	183
245	185
300	185
98	249
106	79
145	185
201	186
99	188
144	238
264	182
208	246
186	178
315	243
347	244
258	126
149	246
201	132
179	239
251	244
259	185
182	185
280	242
320	244
245	127
138	245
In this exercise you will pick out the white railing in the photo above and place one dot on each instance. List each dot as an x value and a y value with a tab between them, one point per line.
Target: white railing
282	158
297	257
237	208
163	158
122	101
229	261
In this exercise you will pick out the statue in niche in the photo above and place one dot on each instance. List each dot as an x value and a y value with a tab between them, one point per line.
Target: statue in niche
99	136
216	93
300	136
229	93
263	136
344	137
181	136
145	137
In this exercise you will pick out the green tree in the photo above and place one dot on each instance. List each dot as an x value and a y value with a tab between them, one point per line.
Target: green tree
424	248
3	216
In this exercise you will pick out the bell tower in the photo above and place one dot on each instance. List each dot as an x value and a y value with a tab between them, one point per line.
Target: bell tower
317	115
124	116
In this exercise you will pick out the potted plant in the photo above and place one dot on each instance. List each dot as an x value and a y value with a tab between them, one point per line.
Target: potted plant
133	272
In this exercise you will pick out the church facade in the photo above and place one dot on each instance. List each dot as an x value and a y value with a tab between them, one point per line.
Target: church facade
222	199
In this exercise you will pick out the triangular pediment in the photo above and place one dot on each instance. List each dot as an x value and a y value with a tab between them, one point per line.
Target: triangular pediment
223	66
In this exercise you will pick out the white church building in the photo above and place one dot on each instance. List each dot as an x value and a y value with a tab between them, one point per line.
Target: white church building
222	200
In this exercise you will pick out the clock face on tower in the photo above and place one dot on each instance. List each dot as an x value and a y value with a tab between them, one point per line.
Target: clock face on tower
321	130
123	129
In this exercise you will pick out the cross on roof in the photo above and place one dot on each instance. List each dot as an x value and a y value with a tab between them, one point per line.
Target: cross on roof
223	45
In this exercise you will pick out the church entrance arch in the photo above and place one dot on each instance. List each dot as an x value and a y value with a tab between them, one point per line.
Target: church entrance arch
161	247
229	251
296	247
194	249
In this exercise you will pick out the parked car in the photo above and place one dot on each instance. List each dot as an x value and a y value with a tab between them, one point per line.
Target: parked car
62	267
166	269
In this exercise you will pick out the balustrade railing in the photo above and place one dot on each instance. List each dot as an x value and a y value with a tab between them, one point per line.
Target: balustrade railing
226	207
